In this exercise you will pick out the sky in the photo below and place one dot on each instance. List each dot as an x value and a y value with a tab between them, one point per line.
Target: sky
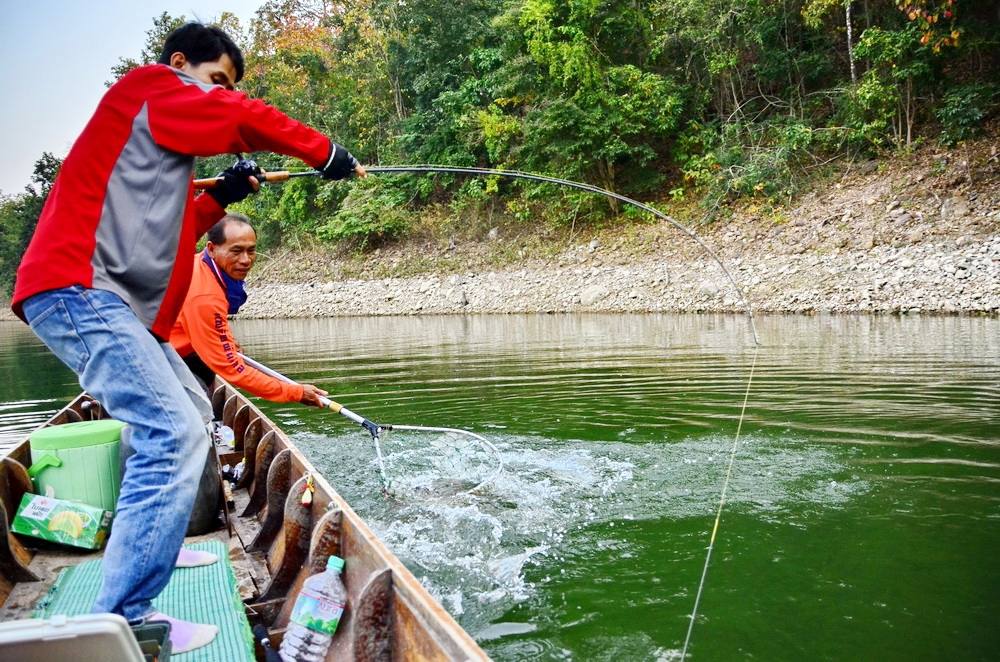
55	56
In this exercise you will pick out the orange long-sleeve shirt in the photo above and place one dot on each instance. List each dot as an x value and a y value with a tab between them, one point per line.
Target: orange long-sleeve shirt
203	328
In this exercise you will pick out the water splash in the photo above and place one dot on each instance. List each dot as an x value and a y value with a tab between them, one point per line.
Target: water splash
472	551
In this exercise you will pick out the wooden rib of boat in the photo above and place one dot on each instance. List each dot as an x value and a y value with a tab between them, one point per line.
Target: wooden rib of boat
275	543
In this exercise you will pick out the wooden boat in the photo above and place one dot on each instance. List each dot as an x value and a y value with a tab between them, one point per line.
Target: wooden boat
275	543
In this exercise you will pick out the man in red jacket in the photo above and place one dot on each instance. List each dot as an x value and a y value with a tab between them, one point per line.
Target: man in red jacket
202	336
99	284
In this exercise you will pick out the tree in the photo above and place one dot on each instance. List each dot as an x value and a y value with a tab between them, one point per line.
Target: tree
19	216
163	25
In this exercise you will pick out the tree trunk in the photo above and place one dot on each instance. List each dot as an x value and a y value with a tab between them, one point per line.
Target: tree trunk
606	171
910	112
850	44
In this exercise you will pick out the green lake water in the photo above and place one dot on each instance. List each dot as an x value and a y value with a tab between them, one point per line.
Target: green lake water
862	517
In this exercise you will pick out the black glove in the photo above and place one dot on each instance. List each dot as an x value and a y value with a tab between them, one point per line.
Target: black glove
339	164
234	183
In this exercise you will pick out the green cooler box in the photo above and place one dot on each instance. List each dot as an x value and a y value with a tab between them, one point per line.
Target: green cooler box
78	462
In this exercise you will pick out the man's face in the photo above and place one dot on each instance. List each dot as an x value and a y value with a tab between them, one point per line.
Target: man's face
220	72
236	255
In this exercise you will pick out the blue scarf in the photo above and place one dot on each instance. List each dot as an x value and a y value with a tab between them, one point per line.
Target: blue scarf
235	294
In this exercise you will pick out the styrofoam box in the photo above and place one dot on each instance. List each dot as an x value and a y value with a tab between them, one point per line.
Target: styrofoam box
88	638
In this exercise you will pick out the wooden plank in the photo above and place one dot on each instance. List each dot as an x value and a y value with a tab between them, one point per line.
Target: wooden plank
240	422
286	560
251	439
14	484
278	482
262	466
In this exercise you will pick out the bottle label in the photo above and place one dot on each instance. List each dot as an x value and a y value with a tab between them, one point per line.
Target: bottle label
316	612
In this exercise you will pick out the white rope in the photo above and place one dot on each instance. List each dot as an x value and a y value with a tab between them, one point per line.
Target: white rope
722	502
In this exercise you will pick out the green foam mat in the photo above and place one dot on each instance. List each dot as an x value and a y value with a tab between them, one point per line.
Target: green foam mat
206	594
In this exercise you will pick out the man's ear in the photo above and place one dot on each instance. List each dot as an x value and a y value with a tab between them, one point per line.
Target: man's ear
178	60
211	249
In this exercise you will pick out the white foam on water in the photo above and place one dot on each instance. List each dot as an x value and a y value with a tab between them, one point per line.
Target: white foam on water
472	551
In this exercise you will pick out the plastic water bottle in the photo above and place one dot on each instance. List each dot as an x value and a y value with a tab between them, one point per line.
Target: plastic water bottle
315	616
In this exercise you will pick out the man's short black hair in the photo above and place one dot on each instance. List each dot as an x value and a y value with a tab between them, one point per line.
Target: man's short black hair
202	43
217	233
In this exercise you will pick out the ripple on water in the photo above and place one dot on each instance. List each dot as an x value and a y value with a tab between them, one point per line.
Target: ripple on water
471	551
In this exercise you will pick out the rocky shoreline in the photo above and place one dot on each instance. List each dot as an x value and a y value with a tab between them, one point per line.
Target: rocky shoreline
931	277
919	233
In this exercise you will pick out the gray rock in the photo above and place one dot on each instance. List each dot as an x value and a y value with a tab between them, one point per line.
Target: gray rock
868	167
493	234
457	296
708	288
954	207
592	295
594	245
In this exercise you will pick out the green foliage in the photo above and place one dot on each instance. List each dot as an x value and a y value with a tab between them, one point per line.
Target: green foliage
962	110
869	110
19	216
371	214
667	98
163	25
760	160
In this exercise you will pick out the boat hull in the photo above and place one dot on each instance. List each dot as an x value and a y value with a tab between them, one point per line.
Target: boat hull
284	538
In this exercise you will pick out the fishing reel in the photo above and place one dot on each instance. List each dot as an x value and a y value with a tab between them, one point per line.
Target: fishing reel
247	168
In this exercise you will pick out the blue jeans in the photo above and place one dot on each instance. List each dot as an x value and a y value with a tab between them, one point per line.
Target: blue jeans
144	383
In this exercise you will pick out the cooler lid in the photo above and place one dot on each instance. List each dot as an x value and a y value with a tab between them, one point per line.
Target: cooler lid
76	435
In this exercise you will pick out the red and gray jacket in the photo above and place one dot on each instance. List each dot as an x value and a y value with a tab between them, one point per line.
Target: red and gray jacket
122	214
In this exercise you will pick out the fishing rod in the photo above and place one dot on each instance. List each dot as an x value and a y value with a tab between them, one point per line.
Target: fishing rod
376	430
269	177
283	175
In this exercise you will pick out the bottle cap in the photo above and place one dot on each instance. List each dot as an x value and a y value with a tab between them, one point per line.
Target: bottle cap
335	563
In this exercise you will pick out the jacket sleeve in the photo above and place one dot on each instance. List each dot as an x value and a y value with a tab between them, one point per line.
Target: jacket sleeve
204	120
206	212
211	339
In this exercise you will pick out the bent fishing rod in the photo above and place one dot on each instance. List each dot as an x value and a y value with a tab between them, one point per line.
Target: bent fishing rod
285	175
515	174
376	430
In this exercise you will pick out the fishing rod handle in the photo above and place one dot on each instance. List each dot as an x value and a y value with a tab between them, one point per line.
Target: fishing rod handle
268	177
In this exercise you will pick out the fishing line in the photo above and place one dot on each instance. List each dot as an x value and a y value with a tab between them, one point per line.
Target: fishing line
284	175
655	212
517	174
722	503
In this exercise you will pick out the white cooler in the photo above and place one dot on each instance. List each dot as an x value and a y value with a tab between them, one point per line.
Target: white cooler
88	638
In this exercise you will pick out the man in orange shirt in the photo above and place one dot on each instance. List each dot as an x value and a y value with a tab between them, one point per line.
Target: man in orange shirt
202	335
